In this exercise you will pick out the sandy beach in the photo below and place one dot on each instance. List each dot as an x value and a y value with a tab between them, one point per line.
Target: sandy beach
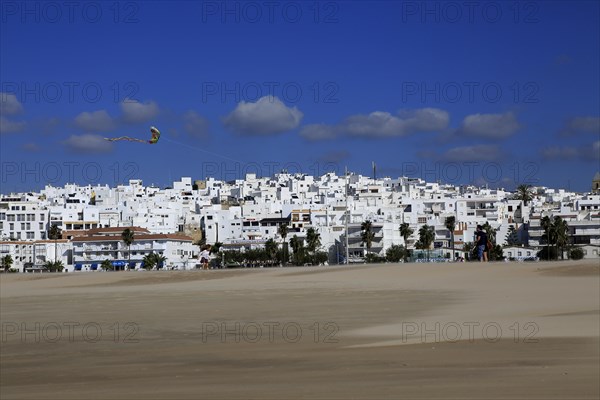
410	331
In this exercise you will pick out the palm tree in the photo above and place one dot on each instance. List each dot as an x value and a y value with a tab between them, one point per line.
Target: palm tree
450	224
7	261
405	231
490	232
128	238
512	237
297	245
160	260
546	224
367	235
271	249
54	234
560	230
283	231
154	259
313	240
107	265
426	237
524	193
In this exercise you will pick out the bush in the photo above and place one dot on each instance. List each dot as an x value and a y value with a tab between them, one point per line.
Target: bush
576	254
374	258
395	253
54	266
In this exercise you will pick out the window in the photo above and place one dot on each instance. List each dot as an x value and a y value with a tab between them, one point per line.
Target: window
20	217
520	253
30	235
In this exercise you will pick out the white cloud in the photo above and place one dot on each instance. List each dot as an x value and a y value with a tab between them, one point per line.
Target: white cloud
561	153
96	121
195	124
381	124
9	104
318	132
267	116
8	126
135	112
88	143
490	126
480	152
581	125
31	147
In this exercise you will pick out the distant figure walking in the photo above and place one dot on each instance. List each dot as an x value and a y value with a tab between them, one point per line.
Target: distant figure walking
482	240
205	257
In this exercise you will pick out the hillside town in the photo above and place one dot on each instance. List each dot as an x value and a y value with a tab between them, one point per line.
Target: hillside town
347	219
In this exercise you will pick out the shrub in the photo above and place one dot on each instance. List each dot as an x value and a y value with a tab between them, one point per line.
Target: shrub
576	254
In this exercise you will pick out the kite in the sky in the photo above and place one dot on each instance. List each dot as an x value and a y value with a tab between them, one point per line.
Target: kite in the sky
155	136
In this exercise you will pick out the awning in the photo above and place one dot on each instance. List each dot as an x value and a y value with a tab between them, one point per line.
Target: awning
78	267
94	267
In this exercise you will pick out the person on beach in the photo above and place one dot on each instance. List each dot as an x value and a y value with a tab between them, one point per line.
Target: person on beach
482	240
205	257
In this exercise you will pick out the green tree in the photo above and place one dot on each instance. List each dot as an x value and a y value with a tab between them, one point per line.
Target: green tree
490	232
320	257
450	224
128	238
271	250
367	235
406	231
395	253
546	225
216	248
496	254
560	230
107	265
297	246
54	266
154	260
54	234
426	238
313	240
524	193
7	262
576	253
283	231
512	236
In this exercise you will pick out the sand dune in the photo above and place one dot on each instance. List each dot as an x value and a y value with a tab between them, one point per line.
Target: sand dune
470	330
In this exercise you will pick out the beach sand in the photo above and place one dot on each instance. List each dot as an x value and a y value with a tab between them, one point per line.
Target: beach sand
410	331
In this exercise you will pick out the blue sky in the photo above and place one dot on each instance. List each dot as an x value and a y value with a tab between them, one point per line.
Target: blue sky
497	93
